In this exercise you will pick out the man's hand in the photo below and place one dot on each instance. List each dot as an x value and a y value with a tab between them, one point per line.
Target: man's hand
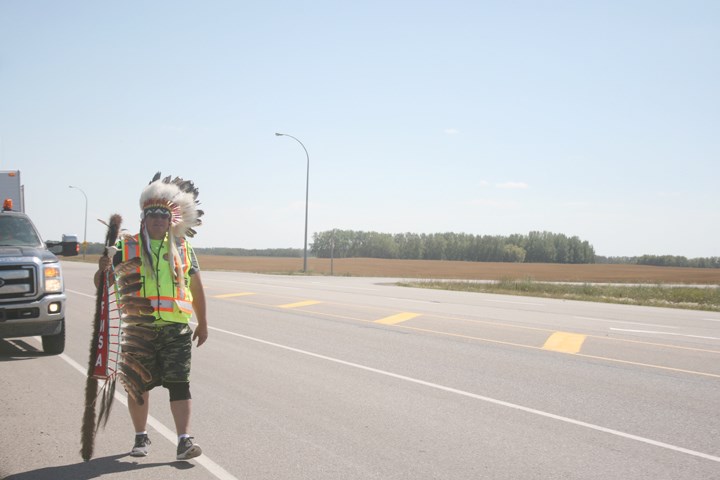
104	263
201	334
199	308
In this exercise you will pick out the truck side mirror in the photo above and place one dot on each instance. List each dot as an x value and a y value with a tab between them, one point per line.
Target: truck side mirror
69	247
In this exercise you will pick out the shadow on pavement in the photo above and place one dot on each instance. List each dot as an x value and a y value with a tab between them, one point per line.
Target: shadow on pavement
16	349
95	468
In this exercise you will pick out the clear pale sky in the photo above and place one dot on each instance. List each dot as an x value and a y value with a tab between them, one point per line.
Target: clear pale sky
599	119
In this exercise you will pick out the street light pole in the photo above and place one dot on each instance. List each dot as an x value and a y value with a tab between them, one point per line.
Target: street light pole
86	206
307	191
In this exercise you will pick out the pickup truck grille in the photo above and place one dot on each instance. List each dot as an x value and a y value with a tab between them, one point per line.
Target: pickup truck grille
17	281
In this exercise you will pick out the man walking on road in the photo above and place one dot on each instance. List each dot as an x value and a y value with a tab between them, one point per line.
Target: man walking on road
170	279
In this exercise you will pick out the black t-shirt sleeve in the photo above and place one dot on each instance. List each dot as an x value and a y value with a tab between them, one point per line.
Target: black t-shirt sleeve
117	259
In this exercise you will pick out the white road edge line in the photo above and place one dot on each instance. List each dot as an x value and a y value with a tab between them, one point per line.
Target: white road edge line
664	333
624	322
482	398
203	460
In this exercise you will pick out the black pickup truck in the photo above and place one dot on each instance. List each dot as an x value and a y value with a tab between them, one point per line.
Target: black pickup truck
32	293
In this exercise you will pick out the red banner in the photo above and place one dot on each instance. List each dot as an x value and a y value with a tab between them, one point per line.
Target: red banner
102	352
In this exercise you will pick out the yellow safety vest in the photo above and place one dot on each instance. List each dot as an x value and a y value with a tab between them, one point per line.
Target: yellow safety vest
171	303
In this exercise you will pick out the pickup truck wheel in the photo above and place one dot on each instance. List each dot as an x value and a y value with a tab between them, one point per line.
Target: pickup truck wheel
54	344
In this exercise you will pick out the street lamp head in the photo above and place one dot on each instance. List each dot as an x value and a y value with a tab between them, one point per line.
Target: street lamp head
279	134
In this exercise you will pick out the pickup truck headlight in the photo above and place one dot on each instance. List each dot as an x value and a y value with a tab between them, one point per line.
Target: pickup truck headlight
53	279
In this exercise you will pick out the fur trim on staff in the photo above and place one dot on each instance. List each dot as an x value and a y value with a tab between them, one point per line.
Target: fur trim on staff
91	384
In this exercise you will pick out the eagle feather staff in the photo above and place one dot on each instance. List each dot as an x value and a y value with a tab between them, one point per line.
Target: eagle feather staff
91	384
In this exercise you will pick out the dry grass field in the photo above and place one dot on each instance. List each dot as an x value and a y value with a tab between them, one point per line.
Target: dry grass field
611	283
435	269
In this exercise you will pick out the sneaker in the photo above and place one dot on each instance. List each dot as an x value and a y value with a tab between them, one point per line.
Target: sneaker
188	449
140	449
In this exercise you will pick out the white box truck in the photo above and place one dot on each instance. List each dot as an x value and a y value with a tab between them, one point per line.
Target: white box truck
11	191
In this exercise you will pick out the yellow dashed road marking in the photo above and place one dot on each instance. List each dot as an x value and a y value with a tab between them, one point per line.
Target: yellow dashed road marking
394	319
564	342
548	346
300	304
229	295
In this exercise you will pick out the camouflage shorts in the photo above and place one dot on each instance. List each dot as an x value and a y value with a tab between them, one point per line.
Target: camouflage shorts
171	360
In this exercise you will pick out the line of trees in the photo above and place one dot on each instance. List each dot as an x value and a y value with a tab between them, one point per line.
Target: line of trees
535	247
664	261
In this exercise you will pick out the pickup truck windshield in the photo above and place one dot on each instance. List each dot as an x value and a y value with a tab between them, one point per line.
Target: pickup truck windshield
18	232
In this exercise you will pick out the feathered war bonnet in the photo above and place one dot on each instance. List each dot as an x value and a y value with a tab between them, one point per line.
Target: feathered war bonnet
177	198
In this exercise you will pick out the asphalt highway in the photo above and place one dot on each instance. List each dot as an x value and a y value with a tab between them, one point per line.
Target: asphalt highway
356	378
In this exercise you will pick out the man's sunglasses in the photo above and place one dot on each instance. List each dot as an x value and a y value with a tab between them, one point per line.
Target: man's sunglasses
157	213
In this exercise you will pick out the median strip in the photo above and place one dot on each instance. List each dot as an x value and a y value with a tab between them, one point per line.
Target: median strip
564	342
